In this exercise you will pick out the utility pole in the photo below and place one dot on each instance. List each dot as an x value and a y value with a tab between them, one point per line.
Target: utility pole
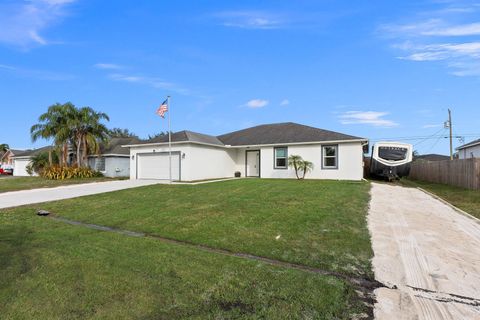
450	126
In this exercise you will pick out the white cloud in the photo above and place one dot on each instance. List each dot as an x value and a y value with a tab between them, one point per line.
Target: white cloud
443	51
448	36
22	22
285	102
256	103
373	118
108	66
149	81
250	19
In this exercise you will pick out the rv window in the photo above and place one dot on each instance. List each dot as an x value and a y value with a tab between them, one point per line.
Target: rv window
392	153
330	157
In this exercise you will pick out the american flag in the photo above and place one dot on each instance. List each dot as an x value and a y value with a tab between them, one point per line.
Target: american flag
162	109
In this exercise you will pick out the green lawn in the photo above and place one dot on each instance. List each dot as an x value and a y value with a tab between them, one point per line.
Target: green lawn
26	183
465	199
54	270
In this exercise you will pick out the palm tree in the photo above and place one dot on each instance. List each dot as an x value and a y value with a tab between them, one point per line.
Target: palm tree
4	147
295	161
54	124
306	166
87	131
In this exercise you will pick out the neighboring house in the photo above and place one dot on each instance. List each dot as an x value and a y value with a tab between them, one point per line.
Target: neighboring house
260	151
431	157
113	160
469	150
7	157
22	159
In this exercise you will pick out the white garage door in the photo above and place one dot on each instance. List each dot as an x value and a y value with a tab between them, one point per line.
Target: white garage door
156	166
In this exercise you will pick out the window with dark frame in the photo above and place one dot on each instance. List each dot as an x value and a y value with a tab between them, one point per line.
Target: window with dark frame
330	157
280	161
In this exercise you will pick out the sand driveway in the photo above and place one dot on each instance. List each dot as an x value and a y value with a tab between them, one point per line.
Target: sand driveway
427	252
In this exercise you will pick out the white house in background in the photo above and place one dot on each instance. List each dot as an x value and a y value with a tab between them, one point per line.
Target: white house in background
260	151
22	159
113	160
469	150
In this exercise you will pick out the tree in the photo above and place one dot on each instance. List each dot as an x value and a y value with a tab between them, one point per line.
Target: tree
121	133
295	161
156	135
55	124
299	164
4	147
88	130
305	166
40	161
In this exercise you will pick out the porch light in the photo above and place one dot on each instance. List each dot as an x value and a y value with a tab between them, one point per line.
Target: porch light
183	155
133	157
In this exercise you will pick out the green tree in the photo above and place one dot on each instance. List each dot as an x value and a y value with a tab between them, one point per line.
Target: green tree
88	130
121	133
305	166
55	125
295	161
4	147
40	161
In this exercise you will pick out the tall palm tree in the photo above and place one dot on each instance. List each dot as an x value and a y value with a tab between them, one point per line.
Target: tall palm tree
88	130
4	147
54	124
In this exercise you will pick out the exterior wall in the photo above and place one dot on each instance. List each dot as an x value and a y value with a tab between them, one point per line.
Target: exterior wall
471	152
206	162
20	167
200	162
114	166
350	162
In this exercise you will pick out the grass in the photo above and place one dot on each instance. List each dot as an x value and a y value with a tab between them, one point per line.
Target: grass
465	199
26	183
52	270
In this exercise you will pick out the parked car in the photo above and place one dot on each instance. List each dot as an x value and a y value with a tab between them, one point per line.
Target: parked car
6	169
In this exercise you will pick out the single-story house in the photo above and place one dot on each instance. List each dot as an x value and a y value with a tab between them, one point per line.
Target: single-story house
113	160
21	160
7	157
469	150
260	151
431	157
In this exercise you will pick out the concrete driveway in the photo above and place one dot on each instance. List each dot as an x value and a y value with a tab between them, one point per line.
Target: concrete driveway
19	198
427	253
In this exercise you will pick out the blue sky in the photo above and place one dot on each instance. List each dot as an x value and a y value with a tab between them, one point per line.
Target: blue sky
376	69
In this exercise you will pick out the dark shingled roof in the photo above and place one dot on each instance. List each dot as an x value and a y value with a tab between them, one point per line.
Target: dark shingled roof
187	136
31	152
276	133
431	157
114	145
470	144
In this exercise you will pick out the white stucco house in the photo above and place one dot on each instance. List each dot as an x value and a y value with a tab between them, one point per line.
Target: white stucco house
261	151
22	159
113	160
469	150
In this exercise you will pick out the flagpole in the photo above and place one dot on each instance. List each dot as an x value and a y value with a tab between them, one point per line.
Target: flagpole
169	141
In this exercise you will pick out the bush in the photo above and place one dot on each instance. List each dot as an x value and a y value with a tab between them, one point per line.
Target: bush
238	174
62	173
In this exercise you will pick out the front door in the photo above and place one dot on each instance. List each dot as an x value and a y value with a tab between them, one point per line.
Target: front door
252	163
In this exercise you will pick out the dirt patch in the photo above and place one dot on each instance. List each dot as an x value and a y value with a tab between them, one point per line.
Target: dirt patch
427	253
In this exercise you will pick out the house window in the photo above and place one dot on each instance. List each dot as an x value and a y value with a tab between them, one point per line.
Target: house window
100	164
330	157
280	161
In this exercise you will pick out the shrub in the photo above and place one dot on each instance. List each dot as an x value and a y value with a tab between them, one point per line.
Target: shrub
62	173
